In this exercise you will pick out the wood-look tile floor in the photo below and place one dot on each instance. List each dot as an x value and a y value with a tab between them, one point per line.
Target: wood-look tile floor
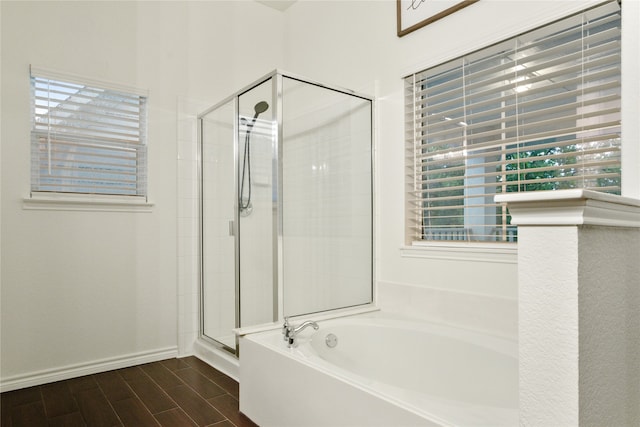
174	392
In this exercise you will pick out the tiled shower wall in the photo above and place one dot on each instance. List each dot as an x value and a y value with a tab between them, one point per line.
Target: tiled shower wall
326	202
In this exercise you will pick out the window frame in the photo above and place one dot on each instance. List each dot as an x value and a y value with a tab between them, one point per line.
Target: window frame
473	246
61	198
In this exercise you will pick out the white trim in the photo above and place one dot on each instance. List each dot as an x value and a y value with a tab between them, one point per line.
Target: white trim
572	207
217	358
85	202
49	73
506	253
325	315
88	368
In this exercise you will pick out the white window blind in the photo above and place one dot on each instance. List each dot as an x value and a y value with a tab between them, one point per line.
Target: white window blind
87	139
540	111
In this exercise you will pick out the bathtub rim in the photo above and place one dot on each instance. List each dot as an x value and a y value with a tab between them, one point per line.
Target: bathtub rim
317	317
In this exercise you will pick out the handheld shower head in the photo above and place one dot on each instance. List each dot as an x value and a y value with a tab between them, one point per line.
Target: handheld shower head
245	203
261	107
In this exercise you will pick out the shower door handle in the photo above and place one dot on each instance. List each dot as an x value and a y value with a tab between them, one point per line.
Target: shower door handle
232	229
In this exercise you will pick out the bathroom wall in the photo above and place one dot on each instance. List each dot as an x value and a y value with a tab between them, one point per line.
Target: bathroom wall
362	52
84	291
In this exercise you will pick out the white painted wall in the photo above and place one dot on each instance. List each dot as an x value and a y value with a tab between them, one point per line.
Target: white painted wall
82	290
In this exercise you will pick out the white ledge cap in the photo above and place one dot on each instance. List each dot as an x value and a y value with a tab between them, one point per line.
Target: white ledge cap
571	207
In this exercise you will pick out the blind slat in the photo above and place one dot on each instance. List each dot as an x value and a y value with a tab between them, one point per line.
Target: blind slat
507	93
574	148
61	113
556	91
446	151
72	103
478	82
96	131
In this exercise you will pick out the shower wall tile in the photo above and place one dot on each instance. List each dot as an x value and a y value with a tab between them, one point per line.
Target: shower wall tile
484	313
188	188
187	227
187	150
186	247
188	208
185	168
186	341
327	207
186	129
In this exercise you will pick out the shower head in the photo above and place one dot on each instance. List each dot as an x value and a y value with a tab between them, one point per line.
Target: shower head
245	202
261	107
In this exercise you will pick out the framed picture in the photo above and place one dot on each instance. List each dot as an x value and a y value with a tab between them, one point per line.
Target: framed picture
414	14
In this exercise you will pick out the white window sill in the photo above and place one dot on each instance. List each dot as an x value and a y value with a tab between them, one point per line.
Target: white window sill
506	253
85	202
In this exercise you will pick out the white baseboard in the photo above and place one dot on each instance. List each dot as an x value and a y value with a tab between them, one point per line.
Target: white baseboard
88	368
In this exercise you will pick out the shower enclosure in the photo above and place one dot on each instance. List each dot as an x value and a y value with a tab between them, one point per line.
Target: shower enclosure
286	198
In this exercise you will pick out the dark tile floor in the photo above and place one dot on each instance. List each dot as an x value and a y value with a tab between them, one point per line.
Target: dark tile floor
173	392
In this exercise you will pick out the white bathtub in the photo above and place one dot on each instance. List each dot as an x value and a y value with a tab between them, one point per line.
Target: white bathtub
384	371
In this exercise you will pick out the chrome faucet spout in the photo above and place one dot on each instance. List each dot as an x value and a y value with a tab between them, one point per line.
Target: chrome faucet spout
290	332
304	326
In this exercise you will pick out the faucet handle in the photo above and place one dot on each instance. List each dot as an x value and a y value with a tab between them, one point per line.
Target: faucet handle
286	329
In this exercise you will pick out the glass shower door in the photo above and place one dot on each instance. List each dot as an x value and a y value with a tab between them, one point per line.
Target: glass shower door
257	201
239	214
218	201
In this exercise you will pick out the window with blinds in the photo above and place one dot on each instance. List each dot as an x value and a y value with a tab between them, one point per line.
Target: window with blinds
537	112
87	139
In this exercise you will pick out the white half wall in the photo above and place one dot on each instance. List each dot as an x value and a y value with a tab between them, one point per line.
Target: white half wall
579	332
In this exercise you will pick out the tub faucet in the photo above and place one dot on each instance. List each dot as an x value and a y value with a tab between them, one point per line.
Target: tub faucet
290	331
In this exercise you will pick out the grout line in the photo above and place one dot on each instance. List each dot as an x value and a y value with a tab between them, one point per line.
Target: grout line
44	407
192	367
161	389
176	403
107	399
73	396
